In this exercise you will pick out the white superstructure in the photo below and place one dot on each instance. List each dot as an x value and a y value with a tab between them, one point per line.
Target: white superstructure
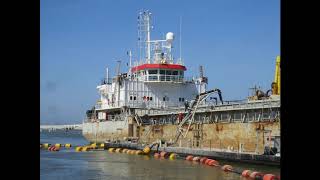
155	81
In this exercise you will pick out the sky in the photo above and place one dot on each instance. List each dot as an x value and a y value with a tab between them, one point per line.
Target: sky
236	41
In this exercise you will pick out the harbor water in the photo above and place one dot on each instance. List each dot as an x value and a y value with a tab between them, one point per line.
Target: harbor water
68	164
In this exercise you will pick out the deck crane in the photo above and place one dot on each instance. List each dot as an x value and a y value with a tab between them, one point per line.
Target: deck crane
189	117
276	83
192	110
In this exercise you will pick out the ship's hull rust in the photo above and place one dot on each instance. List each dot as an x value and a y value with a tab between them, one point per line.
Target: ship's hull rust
234	137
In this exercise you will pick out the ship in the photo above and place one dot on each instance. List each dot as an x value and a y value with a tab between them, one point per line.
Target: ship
155	102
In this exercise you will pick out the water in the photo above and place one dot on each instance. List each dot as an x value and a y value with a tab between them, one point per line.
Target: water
68	164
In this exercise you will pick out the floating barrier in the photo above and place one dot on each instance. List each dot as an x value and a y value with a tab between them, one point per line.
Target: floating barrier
46	145
139	152
124	150
146	150
213	163
189	158
203	159
78	149
227	168
156	155
93	146
164	154
85	148
255	175
246	173
196	159
206	161
102	145
270	177
118	150
67	145
133	152
173	156
53	148
57	145
167	155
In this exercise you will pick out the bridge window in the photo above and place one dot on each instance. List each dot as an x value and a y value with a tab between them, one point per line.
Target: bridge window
153	78
162	72
162	78
174	72
153	71
131	98
168	72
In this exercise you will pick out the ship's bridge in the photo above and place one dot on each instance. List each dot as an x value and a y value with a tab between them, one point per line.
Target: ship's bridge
159	72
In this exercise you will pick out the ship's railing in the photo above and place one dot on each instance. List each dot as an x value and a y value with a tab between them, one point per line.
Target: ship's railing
212	107
254	115
107	118
140	103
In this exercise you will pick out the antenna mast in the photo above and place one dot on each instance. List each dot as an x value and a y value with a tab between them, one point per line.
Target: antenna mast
180	38
144	25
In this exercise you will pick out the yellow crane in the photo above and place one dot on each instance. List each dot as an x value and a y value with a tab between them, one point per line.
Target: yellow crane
276	83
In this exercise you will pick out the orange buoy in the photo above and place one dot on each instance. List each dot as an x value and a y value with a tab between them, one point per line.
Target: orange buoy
269	177
207	161
203	159
255	174
164	154
246	173
156	155
213	163
227	168
189	158
196	159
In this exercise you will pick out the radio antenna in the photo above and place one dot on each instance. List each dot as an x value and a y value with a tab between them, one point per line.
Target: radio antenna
180	38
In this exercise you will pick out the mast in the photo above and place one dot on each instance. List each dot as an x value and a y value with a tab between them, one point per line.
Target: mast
148	37
144	28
